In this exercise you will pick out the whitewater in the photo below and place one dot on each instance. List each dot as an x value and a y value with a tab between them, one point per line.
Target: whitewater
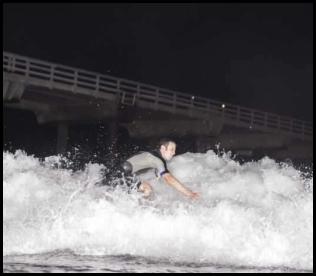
250	217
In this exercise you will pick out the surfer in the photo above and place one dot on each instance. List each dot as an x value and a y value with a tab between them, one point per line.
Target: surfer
142	168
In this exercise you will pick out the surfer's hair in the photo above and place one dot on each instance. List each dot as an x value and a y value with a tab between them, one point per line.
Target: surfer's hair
165	142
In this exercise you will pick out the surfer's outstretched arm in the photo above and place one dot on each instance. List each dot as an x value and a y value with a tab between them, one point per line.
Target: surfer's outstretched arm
172	181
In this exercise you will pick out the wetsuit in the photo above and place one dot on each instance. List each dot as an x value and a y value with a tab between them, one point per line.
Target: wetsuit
144	166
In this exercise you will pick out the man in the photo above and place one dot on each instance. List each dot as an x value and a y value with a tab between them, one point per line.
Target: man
154	164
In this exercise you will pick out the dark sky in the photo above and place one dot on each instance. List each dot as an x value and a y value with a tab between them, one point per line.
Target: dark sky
255	55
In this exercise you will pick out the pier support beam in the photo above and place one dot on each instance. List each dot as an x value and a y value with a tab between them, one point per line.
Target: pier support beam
62	137
113	135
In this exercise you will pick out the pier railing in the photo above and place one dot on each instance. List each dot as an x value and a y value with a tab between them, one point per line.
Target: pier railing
139	94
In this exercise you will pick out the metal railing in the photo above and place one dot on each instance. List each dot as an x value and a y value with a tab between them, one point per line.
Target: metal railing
140	94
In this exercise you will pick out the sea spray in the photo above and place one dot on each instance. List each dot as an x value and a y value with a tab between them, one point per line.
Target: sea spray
253	214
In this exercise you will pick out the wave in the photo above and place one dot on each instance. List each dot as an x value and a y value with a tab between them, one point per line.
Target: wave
253	214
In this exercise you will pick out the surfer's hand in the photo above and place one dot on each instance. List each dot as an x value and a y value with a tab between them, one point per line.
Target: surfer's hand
194	195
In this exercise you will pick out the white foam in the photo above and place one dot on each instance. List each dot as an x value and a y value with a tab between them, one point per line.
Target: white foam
256	214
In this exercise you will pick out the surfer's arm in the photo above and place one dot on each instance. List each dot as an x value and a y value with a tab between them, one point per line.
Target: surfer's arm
172	181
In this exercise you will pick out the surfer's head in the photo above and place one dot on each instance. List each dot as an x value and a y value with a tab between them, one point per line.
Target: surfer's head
167	148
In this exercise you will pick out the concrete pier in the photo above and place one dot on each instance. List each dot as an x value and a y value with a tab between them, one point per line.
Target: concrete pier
62	95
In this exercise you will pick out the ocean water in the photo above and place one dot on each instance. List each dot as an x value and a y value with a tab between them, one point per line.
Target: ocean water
251	217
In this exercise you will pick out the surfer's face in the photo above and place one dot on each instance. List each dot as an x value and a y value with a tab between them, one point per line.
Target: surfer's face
167	152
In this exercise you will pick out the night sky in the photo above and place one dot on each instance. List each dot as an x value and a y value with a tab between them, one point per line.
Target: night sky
255	55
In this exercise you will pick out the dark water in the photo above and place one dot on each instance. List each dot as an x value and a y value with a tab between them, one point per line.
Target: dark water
63	261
